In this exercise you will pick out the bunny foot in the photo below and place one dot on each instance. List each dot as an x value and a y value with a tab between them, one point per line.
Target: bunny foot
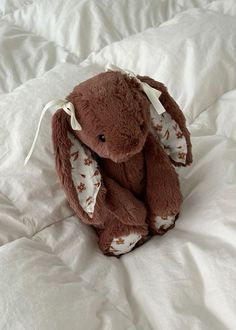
160	225
123	244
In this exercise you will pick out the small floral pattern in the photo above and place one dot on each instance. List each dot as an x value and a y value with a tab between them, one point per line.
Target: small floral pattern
158	127
120	241
81	187
124	244
182	155
87	161
164	222
179	135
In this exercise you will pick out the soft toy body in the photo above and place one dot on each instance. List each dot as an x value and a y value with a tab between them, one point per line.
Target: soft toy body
134	189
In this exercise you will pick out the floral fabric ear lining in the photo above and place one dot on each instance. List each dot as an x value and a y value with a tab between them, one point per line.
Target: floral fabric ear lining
85	175
169	134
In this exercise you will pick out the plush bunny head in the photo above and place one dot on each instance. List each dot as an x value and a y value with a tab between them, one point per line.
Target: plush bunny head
114	115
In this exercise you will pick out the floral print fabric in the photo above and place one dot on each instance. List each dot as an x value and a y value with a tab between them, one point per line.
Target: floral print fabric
169	134
85	175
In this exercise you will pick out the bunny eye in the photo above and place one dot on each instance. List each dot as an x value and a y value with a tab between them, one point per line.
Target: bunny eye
101	137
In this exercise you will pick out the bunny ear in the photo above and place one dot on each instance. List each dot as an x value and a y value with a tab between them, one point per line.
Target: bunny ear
170	126
76	168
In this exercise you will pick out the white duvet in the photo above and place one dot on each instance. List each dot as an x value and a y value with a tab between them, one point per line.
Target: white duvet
52	274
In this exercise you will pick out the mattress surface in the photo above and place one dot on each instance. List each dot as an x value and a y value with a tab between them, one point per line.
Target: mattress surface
52	274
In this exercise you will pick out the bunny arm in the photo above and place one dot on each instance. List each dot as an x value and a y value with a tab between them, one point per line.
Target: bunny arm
163	194
119	203
174	110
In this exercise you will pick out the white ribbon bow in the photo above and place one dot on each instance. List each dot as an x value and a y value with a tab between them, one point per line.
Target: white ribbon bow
68	107
152	93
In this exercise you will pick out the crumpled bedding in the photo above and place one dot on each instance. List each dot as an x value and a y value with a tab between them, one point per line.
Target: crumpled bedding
52	274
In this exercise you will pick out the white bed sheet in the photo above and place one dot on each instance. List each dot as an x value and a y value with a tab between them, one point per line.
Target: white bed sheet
52	274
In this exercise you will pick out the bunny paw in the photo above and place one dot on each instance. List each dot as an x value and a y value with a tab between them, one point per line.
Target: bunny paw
160	225
123	244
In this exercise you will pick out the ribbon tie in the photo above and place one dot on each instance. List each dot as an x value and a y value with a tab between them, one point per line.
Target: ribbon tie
68	107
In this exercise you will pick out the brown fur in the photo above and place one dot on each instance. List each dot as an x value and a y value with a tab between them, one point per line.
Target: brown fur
139	181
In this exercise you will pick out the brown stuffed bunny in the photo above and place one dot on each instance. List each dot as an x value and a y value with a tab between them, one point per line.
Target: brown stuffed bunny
117	169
